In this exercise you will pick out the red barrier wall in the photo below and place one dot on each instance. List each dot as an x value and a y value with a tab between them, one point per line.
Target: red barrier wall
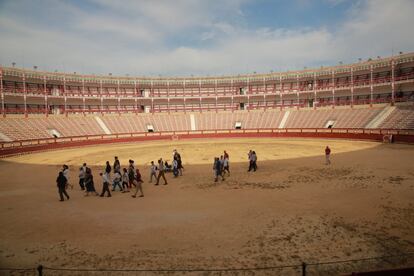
20	147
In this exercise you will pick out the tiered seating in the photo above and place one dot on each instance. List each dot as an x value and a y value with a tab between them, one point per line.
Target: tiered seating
22	129
19	128
75	126
357	118
401	118
35	128
344	118
138	123
249	120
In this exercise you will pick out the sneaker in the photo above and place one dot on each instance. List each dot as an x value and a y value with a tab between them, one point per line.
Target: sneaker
141	196
134	196
61	200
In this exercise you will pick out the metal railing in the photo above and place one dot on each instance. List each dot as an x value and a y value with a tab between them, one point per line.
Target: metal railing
403	261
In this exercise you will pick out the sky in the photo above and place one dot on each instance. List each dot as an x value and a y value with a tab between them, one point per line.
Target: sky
200	37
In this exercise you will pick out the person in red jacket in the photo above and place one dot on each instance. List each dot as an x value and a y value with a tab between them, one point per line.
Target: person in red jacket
327	155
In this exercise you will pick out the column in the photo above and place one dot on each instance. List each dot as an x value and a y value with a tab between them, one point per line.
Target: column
24	96
392	82
152	105
371	84
135	95
101	94
215	87
64	96
248	86
352	87
314	90
297	82
119	105
281	101
248	102
184	93
281	91
45	93
333	88
298	90
3	111
297	93
152	89
83	96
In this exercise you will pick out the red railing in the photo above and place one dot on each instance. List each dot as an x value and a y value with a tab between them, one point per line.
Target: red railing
343	84
24	146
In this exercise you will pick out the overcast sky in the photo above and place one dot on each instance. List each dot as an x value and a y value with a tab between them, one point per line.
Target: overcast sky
205	37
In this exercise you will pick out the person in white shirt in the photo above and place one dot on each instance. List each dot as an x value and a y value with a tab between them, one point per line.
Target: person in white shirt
105	184
226	165
175	167
125	181
153	171
117	181
161	172
252	161
65	171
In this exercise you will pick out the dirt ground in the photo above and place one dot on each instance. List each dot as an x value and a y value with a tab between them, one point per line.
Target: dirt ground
293	209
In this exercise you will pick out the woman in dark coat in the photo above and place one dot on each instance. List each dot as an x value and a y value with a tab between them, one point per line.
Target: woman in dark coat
61	184
89	185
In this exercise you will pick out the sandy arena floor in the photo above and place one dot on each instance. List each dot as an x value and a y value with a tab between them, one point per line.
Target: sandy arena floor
293	209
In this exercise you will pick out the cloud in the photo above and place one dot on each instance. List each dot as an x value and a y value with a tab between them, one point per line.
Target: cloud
377	28
188	37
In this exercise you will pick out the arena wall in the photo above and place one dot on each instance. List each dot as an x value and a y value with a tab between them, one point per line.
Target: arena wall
28	146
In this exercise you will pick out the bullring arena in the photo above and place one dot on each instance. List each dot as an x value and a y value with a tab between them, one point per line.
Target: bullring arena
295	215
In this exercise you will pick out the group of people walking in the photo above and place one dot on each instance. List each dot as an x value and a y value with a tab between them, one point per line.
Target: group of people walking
123	179
252	160
221	166
127	178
